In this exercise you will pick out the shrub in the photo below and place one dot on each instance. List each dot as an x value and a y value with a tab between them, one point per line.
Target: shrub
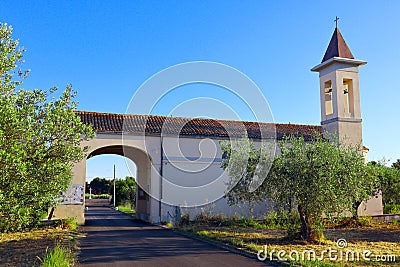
185	220
283	219
391	209
365	221
101	196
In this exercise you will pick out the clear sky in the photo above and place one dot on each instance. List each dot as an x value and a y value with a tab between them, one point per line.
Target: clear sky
107	49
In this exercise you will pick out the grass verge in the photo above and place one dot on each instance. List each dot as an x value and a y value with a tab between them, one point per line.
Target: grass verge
58	257
382	240
127	209
29	248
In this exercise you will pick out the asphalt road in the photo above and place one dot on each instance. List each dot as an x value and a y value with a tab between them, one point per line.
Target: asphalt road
114	239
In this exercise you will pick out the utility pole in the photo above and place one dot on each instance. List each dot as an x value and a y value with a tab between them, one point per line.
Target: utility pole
161	175
114	187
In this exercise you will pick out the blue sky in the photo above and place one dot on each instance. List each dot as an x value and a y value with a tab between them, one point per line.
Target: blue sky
107	49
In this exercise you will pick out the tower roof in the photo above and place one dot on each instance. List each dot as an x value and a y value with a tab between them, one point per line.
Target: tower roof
337	47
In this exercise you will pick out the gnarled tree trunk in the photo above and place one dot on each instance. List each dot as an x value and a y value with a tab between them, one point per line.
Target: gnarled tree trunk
305	225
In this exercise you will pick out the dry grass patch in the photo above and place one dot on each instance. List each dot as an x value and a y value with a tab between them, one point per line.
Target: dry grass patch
28	248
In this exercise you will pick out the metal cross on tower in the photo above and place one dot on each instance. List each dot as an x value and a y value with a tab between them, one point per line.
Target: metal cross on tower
336	20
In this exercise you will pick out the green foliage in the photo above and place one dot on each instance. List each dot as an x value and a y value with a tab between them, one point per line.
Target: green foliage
396	164
102	196
249	223
68	223
243	162
99	186
389	179
126	191
274	220
10	55
320	177
40	140
204	233
365	221
283	219
58	257
391	209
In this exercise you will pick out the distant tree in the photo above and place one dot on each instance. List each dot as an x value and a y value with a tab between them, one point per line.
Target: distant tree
318	176
40	140
100	186
126	191
389	179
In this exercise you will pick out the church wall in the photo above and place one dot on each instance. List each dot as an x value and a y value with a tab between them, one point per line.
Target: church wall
193	178
194	164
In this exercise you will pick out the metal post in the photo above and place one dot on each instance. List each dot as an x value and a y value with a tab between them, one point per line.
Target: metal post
114	187
161	176
90	193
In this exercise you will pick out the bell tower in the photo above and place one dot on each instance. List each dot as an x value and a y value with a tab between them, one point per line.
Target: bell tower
340	91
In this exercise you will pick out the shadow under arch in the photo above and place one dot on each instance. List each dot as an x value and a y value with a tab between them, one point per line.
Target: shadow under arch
143	163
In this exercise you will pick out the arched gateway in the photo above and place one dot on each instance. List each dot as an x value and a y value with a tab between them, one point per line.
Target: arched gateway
193	144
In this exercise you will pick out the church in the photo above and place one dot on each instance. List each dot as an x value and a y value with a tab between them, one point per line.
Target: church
190	179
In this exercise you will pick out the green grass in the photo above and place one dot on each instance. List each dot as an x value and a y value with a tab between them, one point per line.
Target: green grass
58	257
102	196
126	209
69	224
274	220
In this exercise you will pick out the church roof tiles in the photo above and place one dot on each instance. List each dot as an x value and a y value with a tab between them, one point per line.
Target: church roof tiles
191	127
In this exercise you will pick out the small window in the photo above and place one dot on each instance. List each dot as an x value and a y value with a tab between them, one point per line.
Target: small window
328	98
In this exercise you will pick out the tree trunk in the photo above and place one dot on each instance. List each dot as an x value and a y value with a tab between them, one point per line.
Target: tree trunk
51	213
355	207
305	224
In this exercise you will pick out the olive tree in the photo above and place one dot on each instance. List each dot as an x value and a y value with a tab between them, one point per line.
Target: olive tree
389	180
40	139
319	177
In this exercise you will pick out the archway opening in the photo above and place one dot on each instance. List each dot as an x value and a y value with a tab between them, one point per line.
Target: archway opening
129	162
99	185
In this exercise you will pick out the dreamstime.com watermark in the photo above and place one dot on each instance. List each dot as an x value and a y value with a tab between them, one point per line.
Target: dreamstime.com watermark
340	253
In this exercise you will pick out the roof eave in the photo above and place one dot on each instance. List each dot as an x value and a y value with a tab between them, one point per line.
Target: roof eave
349	61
